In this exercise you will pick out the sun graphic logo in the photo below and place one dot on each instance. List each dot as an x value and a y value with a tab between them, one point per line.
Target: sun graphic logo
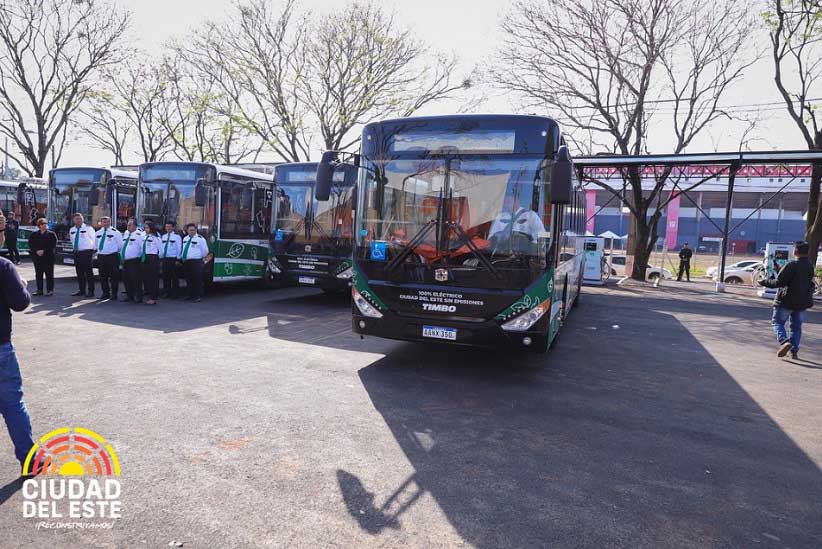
73	473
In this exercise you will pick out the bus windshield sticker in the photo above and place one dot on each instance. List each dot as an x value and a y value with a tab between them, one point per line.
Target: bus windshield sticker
378	250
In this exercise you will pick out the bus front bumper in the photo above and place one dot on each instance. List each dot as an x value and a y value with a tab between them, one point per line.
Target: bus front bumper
312	279
487	333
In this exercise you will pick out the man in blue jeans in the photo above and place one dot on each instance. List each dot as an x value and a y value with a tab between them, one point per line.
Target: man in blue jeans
793	296
13	296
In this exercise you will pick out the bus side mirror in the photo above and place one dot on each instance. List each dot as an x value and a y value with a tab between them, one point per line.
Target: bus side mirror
94	195
200	193
325	173
21	193
562	177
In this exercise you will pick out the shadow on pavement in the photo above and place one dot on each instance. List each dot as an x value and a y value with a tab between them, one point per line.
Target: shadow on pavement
600	443
10	489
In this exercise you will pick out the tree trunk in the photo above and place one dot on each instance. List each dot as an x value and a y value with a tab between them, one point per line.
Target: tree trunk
642	251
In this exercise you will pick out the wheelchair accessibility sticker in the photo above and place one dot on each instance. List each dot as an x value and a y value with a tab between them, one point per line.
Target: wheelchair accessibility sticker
378	251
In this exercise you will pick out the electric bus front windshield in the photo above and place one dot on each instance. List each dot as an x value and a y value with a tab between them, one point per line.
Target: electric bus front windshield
486	216
166	193
301	219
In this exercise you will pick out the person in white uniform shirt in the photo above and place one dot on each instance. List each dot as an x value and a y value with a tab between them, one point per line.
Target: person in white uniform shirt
171	246
193	256
130	255
109	242
515	219
83	243
150	262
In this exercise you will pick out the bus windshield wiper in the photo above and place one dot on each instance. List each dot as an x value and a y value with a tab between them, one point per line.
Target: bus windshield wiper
466	240
418	238
412	245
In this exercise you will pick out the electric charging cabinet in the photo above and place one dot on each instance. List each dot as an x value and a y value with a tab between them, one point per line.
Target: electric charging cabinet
776	257
594	247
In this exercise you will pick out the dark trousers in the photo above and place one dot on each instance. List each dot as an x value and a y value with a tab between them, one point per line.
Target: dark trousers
109	267
150	273
194	269
43	267
171	284
82	266
14	253
684	266
131	277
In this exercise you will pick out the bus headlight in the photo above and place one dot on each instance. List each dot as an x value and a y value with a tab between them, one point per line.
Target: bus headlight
346	274
274	266
364	306
528	318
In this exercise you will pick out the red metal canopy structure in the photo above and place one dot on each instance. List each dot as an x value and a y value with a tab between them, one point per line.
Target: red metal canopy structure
686	172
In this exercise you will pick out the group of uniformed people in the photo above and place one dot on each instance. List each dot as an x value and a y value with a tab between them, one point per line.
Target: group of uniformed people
138	256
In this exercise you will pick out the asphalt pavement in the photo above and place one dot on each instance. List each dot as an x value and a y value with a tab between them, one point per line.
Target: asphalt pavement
662	418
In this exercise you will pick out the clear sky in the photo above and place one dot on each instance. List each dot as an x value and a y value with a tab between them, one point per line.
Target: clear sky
468	28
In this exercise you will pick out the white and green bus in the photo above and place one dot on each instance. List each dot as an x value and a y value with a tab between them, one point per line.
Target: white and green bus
92	192
231	207
27	201
468	230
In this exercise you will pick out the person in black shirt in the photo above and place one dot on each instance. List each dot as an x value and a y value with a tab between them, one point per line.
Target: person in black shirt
12	232
685	255
41	247
794	295
13	296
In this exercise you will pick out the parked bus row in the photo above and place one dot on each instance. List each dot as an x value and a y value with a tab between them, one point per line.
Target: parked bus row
465	229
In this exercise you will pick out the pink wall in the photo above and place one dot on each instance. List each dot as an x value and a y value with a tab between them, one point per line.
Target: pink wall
590	209
673	223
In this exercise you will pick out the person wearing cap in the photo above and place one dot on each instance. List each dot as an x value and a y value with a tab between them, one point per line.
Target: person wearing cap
83	244
685	255
150	262
109	243
130	255
171	246
794	294
193	256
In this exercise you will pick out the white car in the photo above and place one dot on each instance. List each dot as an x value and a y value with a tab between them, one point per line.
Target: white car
617	264
738	276
711	272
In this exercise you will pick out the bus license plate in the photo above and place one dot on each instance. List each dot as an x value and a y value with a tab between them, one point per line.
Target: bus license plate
306	280
68	260
438	332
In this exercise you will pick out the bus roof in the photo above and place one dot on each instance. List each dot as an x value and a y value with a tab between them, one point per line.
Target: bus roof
114	172
464	134
477	118
221	169
32	181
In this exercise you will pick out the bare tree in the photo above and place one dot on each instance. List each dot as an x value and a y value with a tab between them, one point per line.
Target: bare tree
204	124
256	60
139	93
796	40
51	53
105	128
606	68
362	66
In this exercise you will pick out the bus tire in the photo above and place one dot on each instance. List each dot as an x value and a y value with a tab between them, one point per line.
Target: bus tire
575	304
